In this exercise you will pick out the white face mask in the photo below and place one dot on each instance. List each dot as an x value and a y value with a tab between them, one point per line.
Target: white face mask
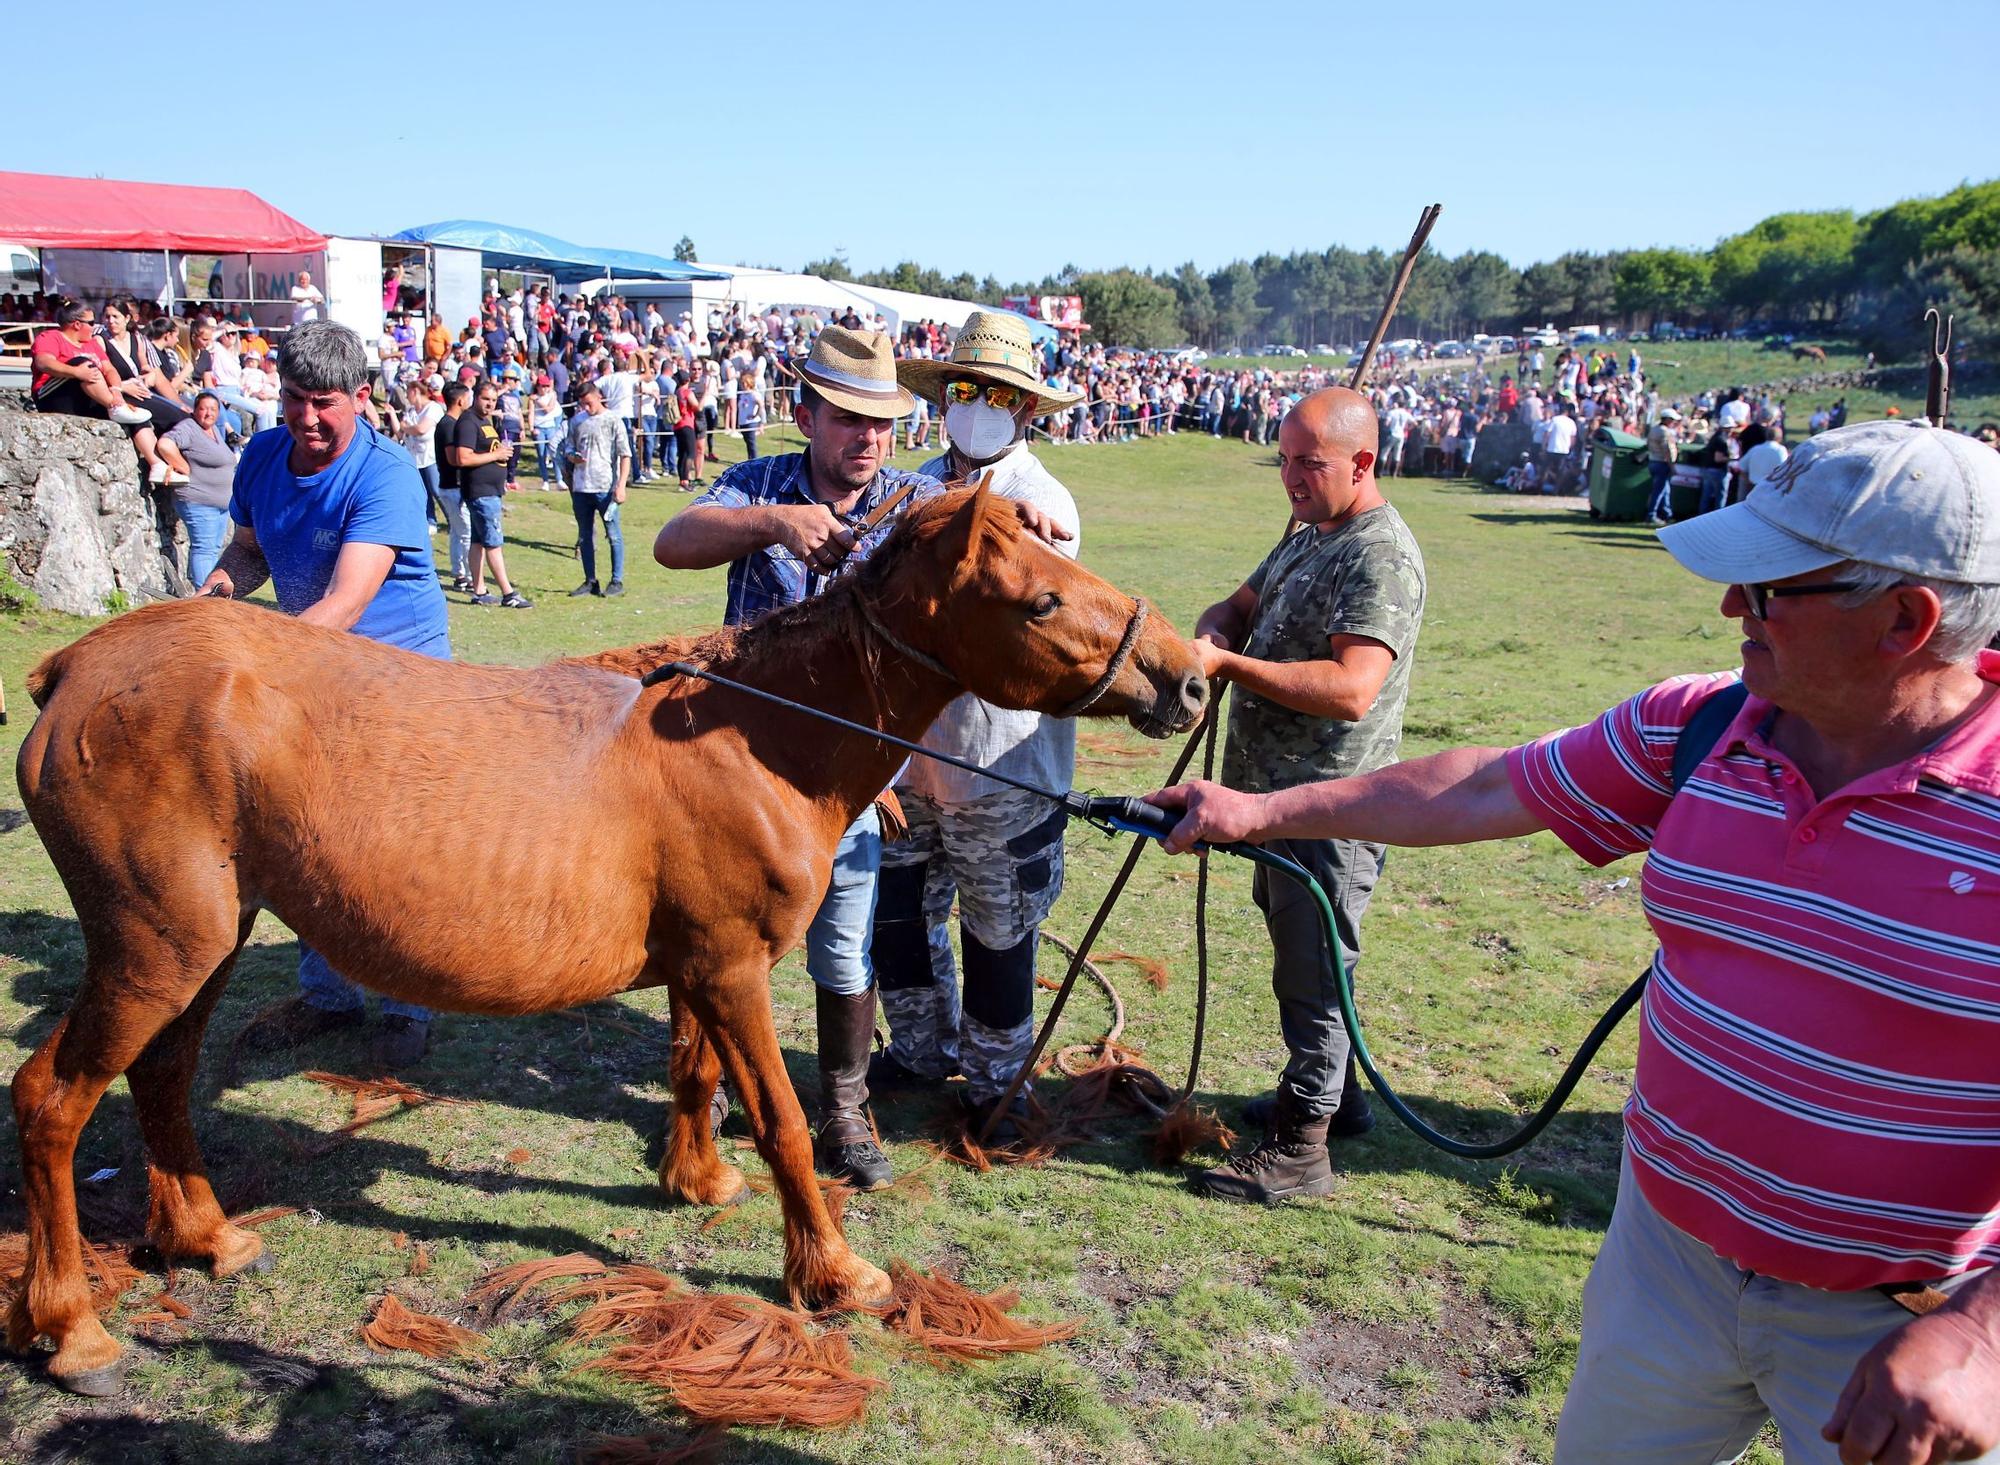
979	430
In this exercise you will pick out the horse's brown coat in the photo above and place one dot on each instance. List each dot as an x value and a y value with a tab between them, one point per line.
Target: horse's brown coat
197	762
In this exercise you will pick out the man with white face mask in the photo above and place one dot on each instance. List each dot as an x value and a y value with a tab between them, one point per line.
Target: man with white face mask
999	850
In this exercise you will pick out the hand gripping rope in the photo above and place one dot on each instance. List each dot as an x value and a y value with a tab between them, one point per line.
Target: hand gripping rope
1115	815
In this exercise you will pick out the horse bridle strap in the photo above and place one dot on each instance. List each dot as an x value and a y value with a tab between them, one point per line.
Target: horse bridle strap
1123	654
1126	644
927	662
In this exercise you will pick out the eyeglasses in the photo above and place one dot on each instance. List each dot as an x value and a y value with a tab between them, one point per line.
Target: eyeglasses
1005	398
1758	597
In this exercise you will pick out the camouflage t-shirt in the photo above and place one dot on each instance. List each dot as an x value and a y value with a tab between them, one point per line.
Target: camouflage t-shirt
1365	578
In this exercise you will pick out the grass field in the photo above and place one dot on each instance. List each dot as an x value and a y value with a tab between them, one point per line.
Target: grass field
1426	1312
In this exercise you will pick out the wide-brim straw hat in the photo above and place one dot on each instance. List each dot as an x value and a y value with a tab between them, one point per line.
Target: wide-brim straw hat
992	346
856	370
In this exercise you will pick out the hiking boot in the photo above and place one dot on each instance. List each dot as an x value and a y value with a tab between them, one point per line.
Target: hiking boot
588	587
718	1110
845	1147
298	1021
515	600
1354	1118
615	589
889	1074
1290	1161
400	1041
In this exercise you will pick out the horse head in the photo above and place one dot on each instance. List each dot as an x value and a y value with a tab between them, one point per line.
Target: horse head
963	588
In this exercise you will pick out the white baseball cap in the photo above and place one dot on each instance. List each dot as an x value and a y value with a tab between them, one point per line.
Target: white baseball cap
1902	494
1734	414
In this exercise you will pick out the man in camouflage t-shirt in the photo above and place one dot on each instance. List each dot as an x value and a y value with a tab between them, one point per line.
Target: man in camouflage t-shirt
1318	642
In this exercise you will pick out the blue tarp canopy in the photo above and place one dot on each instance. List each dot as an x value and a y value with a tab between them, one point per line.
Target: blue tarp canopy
507	248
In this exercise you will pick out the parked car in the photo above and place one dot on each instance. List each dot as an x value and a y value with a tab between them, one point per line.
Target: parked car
1321	348
1546	336
1448	348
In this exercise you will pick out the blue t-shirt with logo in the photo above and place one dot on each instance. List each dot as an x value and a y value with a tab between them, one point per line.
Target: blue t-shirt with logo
370	495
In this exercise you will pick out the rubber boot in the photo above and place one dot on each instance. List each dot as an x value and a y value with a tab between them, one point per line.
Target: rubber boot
1291	1160
845	1147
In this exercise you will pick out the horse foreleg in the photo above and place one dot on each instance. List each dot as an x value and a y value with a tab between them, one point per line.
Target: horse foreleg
185	1222
820	1269
691	1170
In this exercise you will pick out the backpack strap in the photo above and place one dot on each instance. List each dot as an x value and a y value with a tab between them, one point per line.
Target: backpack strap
1702	731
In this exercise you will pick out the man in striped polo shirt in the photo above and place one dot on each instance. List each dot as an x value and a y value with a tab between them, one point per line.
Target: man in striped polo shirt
1809	1211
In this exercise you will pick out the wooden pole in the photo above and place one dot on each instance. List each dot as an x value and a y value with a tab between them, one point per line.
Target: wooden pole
1426	221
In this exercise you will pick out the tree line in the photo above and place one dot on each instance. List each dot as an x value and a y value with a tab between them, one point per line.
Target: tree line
1869	276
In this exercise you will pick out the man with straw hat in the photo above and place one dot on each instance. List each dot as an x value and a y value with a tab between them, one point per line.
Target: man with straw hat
784	525
998	850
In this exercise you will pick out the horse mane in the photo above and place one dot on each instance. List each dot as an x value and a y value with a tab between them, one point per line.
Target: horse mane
793	638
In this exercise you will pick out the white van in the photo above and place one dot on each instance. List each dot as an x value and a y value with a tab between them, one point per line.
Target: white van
20	269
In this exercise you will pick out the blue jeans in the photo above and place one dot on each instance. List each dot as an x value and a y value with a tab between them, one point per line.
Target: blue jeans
548	453
207	529
1714	485
837	941
265	414
457	530
589	506
1663	489
323	987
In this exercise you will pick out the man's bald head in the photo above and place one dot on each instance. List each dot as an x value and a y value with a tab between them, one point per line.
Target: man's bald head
1326	454
1340	422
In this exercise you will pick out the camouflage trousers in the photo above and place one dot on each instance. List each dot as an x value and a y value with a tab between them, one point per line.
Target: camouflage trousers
1001	857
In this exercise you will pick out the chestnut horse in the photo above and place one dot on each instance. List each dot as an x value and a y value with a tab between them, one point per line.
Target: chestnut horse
197	762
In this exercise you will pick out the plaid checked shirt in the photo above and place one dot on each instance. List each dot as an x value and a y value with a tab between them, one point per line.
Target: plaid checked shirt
774	576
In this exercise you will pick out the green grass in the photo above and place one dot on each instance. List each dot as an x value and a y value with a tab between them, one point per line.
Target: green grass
1427	1311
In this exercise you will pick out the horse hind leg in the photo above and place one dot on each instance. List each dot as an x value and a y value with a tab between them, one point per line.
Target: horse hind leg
820	1268
185	1221
136	982
690	1169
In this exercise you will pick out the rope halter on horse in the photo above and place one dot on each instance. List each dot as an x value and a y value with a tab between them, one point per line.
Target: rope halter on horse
1126	645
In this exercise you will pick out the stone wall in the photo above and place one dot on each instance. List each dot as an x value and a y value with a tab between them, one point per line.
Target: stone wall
77	524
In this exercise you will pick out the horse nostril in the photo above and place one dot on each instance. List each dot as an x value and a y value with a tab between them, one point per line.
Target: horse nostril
1194	689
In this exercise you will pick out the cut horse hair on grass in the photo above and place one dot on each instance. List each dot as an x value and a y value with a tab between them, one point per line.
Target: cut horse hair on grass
952	1320
503	1292
722	1359
1150	967
1188	1127
395	1327
374	1099
653	1449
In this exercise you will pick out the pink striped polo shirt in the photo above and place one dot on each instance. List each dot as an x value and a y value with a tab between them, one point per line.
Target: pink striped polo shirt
1818	1088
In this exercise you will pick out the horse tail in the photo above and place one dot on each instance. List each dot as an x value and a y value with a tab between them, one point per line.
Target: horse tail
46	674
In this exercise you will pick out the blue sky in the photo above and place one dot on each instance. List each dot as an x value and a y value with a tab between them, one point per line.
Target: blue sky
1014	141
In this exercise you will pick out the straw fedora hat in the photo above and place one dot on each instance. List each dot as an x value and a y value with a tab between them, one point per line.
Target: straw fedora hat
992	346
856	370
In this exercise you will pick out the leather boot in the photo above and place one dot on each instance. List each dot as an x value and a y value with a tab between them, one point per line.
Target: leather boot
1291	1160
845	1147
1354	1118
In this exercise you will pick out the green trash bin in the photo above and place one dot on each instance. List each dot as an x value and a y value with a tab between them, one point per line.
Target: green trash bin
1620	483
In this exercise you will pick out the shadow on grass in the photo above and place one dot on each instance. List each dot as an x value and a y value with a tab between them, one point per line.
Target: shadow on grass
339	1412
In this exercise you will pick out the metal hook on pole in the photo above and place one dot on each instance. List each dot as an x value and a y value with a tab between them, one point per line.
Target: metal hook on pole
1937	387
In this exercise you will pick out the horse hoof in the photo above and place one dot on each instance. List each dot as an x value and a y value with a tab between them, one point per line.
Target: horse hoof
95	1383
256	1266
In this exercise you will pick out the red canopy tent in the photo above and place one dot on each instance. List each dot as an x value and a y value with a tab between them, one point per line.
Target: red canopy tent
45	211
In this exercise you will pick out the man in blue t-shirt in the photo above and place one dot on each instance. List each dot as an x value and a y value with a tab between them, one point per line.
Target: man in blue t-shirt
332	513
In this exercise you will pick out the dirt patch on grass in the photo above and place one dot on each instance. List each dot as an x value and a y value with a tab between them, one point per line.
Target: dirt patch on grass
1460	1366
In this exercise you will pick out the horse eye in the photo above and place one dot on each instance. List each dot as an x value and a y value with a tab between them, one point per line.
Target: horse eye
1047	604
